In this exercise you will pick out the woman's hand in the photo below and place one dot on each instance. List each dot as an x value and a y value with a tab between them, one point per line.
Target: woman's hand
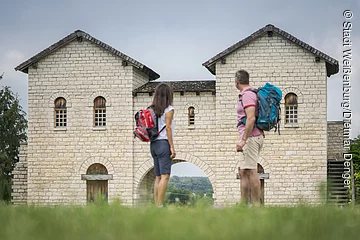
173	153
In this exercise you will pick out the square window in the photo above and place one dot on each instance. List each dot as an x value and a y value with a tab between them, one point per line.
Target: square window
99	117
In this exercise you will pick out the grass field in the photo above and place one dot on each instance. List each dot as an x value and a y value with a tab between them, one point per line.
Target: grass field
116	222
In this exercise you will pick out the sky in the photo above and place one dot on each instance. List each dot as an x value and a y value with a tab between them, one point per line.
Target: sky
174	38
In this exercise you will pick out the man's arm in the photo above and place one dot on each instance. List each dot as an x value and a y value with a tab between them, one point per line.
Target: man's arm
250	122
249	102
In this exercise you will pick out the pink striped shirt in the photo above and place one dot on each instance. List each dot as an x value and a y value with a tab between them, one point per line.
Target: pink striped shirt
248	99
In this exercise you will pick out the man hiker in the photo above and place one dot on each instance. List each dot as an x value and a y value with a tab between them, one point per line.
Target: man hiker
251	139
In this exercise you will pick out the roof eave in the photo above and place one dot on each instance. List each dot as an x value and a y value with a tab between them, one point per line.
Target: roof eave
211	68
331	69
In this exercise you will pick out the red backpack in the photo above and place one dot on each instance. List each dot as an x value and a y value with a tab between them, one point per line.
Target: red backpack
146	128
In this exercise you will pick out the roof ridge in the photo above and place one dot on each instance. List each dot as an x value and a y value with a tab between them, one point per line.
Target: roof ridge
332	66
79	33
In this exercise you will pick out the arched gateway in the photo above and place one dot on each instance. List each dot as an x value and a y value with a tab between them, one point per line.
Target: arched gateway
145	177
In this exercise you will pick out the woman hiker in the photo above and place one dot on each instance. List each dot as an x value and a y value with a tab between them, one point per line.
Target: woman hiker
162	148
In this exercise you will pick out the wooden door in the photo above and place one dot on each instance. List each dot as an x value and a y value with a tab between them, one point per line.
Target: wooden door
97	189
260	169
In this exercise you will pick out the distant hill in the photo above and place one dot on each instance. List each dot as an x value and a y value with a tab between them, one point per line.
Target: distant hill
200	185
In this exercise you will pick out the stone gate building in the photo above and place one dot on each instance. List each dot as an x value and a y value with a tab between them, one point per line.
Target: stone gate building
83	95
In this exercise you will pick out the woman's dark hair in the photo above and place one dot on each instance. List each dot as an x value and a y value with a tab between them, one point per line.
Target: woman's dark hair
162	99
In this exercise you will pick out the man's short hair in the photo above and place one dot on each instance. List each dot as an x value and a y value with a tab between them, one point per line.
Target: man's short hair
242	77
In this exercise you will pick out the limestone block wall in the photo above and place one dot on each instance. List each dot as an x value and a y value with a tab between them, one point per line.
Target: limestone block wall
79	72
145	189
138	78
335	131
19	179
296	159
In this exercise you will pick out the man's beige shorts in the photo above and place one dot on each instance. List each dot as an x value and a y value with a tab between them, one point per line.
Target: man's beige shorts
251	152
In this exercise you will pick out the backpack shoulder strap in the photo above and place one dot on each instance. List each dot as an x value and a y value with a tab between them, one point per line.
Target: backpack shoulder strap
157	122
254	90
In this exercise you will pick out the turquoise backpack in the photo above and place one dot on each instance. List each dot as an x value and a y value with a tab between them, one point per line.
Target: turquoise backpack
268	117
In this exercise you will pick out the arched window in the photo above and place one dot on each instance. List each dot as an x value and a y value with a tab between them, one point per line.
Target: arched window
97	168
60	112
291	108
99	112
191	114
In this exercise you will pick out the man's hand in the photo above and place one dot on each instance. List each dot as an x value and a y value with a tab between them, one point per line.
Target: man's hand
240	146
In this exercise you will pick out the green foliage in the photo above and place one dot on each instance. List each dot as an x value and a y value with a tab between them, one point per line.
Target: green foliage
175	195
355	151
112	221
13	126
189	191
201	185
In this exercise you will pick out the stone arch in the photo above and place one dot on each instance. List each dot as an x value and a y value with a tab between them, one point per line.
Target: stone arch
191	104
292	90
88	162
147	166
97	94
265	164
58	94
262	161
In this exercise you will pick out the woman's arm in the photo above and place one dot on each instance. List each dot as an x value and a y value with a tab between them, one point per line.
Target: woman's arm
168	119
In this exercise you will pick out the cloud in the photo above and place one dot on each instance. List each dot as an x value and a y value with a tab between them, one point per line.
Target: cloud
331	43
15	56
16	80
187	169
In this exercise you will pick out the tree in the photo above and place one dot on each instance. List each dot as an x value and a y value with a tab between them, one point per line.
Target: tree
175	194
13	125
355	151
